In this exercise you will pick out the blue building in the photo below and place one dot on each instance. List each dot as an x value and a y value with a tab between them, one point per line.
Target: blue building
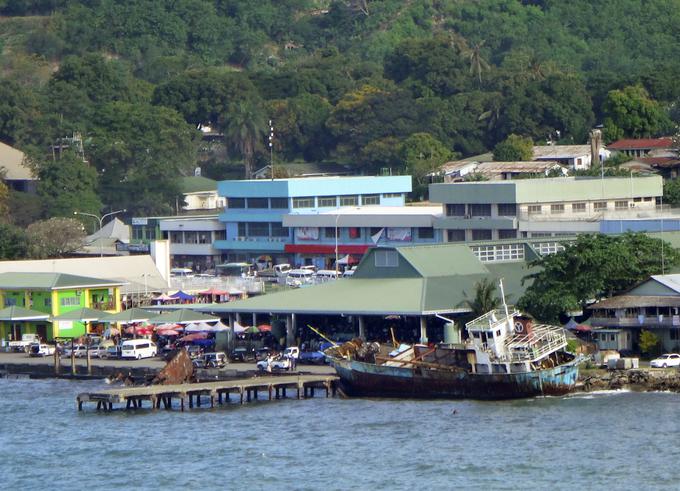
255	211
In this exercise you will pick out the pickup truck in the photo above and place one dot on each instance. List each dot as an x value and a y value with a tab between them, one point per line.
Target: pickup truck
41	349
273	274
26	341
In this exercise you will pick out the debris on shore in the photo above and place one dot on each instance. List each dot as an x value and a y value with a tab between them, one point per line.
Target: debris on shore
641	380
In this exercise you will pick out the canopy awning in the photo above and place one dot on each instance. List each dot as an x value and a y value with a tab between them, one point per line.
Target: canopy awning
130	316
84	314
184	316
16	314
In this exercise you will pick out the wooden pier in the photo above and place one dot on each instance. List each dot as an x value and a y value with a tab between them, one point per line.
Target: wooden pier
208	393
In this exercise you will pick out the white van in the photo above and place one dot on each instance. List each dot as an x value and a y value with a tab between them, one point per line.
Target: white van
324	275
181	273
138	349
299	277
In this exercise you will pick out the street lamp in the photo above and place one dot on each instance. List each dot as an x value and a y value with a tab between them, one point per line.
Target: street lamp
101	223
337	217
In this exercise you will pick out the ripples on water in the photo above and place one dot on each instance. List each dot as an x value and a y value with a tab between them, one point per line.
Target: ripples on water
610	440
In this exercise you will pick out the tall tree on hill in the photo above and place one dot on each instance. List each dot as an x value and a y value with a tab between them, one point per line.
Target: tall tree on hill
244	129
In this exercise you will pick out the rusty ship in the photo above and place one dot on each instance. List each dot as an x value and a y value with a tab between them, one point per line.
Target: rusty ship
506	356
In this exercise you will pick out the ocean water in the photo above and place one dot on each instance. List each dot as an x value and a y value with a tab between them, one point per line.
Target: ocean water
606	440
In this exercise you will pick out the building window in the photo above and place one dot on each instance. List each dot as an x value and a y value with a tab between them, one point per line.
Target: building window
220	234
455	235
478	234
278	230
69	301
328	201
648	198
600	205
455	210
303	202
578	207
176	237
236	202
620	205
354	232
329	232
509	233
204	238
557	209
242	229
392	195
258	229
47	302
504	252
544	248
279	203
370	199
425	233
535	209
386	259
258	203
480	210
191	237
507	209
349	200
637	200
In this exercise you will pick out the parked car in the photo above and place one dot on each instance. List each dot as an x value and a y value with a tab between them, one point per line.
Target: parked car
211	360
194	351
279	362
98	351
79	351
112	352
41	349
312	357
242	355
666	360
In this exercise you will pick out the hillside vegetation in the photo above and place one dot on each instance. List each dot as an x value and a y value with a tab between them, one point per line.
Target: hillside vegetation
402	84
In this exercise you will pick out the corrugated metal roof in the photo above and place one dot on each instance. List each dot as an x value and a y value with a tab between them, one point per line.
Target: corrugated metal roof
50	281
671	281
437	260
632	301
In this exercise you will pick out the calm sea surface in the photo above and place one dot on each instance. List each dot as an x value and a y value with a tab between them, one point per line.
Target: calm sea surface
615	440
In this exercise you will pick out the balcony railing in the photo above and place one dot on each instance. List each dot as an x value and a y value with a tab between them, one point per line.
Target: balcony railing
638	321
103	305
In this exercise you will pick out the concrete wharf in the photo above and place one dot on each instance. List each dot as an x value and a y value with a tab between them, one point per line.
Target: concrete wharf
193	394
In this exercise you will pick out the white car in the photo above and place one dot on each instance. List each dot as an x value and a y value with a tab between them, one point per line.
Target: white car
278	363
666	360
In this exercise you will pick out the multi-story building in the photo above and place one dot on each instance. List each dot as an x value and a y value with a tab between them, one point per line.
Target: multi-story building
654	305
255	211
320	238
55	294
476	211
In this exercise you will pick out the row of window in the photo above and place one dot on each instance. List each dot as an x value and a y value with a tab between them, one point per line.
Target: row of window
275	229
582	207
335	201
480	210
189	237
308	201
480	234
501	252
262	229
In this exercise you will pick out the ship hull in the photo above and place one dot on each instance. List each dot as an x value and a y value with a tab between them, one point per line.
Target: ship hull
360	379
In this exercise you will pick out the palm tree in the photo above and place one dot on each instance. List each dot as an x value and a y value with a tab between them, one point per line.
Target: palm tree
477	63
245	127
485	298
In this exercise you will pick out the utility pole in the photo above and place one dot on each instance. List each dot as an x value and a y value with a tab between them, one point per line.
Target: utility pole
101	223
271	148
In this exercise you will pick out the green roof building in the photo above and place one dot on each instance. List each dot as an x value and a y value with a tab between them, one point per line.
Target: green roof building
55	294
413	282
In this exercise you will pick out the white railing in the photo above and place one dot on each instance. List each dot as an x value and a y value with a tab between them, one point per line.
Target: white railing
491	319
540	342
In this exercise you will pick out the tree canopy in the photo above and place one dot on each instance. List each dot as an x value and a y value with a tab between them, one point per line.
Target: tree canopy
593	267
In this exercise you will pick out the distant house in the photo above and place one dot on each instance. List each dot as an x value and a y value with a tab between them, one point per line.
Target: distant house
668	167
14	169
576	157
653	305
200	193
643	147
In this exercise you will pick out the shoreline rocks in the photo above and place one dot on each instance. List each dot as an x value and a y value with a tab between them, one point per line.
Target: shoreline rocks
641	380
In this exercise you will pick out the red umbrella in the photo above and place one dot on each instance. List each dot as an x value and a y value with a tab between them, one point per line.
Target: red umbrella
194	336
214	291
264	328
168	332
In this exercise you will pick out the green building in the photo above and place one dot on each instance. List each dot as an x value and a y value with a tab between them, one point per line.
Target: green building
55	294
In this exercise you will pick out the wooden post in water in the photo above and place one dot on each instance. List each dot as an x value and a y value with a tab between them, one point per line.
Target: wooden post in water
73	359
57	360
89	362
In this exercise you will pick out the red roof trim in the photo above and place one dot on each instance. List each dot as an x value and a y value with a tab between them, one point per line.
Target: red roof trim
325	249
